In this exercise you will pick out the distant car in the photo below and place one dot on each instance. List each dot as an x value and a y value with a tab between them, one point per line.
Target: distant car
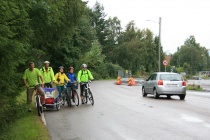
164	83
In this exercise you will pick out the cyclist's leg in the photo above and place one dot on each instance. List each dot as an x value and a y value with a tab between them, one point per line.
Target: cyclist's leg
60	89
69	91
81	91
29	93
41	92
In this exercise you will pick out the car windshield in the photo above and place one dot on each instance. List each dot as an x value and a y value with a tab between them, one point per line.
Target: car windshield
171	77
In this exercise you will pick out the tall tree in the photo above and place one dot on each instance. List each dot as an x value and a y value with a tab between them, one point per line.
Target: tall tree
99	22
192	55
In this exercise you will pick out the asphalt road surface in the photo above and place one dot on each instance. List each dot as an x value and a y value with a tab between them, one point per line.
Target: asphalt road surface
121	113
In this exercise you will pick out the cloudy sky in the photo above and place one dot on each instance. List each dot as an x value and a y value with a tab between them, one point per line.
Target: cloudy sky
180	18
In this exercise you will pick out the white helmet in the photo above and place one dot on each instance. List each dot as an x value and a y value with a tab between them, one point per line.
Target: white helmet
46	62
84	65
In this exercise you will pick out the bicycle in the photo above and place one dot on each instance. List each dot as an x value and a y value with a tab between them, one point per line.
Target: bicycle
88	93
70	95
38	103
66	96
74	97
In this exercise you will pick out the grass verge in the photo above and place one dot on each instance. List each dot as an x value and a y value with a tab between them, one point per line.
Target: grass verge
28	126
194	87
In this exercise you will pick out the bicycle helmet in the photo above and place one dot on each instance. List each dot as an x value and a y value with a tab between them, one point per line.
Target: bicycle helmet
61	67
46	62
71	67
84	65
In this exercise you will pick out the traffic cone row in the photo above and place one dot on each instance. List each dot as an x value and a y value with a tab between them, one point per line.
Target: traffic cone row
119	82
131	82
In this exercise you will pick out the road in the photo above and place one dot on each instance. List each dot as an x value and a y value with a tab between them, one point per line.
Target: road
121	113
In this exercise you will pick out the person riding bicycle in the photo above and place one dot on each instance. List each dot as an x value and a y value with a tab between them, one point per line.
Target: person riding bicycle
72	77
83	76
48	74
59	80
31	82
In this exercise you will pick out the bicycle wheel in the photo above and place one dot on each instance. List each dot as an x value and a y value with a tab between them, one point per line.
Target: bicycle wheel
75	97
57	104
38	106
68	100
90	96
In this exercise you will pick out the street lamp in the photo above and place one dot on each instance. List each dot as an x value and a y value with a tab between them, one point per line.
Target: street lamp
159	44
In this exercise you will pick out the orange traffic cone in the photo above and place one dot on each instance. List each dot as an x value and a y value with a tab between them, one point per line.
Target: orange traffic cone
131	82
118	81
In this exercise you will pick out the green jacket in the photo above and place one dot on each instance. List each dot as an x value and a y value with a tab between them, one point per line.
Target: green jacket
47	75
84	76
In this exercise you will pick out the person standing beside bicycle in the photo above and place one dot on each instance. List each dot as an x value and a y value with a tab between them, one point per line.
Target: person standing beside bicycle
31	80
48	74
83	76
72	78
59	80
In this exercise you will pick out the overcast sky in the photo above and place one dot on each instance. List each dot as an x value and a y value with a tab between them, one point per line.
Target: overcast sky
180	18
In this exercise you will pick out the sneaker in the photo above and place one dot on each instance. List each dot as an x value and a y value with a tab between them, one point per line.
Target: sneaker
29	110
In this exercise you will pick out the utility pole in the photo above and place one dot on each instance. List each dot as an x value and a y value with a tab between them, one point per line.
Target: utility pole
159	44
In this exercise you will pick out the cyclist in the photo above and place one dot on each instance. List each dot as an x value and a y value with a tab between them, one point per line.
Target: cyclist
72	77
83	76
48	74
31	82
59	80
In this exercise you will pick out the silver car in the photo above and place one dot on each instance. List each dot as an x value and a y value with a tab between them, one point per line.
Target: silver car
164	83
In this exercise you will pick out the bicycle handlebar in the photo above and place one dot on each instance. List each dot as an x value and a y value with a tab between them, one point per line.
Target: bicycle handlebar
89	81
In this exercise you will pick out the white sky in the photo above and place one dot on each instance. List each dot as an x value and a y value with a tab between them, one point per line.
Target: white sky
180	18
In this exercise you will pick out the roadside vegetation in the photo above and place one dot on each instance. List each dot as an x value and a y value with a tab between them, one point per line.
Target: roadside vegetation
194	87
69	33
24	125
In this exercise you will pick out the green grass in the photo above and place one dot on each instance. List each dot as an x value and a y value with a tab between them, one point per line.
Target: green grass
28	127
194	87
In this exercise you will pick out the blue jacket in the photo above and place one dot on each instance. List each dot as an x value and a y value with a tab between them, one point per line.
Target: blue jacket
72	78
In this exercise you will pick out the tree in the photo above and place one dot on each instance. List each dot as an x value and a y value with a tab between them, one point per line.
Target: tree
99	22
15	33
94	60
192	55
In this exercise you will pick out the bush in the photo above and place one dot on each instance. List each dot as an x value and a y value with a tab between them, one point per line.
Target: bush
10	111
112	69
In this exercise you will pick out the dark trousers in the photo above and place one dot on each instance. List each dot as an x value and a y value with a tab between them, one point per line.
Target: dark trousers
82	86
48	85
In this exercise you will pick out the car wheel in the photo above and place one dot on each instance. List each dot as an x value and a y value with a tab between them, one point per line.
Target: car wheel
144	94
155	93
181	97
